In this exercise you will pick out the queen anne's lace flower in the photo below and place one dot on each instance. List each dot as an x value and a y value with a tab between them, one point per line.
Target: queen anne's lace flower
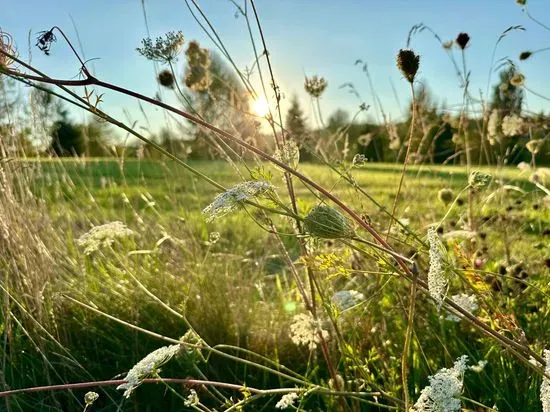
466	302
305	330
437	282
287	400
102	236
148	366
192	398
512	125
442	395
232	199
545	386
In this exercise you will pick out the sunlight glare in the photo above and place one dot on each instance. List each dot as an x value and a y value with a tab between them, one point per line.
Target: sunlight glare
260	106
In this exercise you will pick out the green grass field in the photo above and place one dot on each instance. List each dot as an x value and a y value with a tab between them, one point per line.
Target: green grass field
239	290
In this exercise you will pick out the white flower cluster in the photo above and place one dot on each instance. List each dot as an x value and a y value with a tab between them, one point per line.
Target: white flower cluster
512	125
444	389
103	235
232	199
493	132
287	400
466	302
192	398
346	299
148	366
305	330
437	281
545	386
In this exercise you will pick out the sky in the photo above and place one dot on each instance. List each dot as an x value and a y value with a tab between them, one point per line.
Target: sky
304	37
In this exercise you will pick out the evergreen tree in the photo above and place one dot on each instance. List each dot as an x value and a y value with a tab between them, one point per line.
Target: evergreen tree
507	98
295	123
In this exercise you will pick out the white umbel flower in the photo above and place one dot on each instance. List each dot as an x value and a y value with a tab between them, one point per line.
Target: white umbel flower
148	366
287	400
437	281
232	199
545	386
442	395
466	302
512	125
102	236
305	330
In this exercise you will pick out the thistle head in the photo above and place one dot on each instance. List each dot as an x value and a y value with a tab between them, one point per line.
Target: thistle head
408	62
326	222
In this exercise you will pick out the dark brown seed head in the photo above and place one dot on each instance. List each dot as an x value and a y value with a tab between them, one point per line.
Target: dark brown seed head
408	62
525	55
166	79
462	40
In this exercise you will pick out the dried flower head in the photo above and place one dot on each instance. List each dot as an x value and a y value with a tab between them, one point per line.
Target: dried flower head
166	79
442	395
517	80
478	179
287	400
445	196
198	76
164	50
365	139
148	366
437	281
545	386
521	2
6	46
103	236
359	160
448	44
466	302
232	199
328	223
493	132
408	62
315	85
462	40
305	330
45	41
525	55
512	125
90	398
535	145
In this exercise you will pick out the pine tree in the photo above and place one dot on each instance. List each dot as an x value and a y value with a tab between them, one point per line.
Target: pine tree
295	122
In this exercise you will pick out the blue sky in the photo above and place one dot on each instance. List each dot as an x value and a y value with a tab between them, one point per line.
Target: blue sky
304	37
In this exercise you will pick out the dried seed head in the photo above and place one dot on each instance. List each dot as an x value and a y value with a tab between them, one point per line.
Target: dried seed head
166	79
525	55
315	85
445	196
521	2
6	45
408	62
45	40
328	223
478	179
164	50
462	40
517	80
535	145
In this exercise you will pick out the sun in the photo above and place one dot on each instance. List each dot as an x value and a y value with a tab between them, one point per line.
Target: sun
260	106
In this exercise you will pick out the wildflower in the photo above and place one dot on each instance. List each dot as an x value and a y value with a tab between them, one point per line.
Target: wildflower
305	330
166	79
408	62
289	154
535	145
6	45
148	366
213	238
365	139
462	40
192	398
545	386
198	76
442	395
525	55
466	302
328	223
478	179
479	366
232	199
346	299
517	80
103	236
359	160
165	50
287	400
90	398
492	127
445	196
315	86
437	282
512	125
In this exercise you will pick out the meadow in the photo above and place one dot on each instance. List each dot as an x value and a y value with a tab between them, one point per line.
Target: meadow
233	282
